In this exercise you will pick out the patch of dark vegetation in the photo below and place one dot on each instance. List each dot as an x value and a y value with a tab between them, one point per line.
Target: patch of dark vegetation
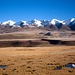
70	71
60	42
14	69
28	62
24	43
31	71
4	69
0	60
28	67
4	74
53	63
49	64
8	60
16	43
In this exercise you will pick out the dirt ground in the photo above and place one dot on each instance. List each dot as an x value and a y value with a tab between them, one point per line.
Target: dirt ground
37	60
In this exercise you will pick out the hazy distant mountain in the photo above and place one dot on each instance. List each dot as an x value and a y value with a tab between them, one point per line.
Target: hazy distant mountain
45	24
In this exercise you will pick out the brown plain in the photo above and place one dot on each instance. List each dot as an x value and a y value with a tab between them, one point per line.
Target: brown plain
37	60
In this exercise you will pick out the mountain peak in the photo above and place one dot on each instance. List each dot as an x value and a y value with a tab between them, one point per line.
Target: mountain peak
72	19
35	22
9	22
24	22
40	23
54	21
34	19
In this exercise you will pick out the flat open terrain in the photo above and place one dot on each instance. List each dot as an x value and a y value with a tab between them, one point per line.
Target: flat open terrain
37	60
25	53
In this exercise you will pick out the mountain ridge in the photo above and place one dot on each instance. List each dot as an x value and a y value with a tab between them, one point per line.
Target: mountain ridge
55	24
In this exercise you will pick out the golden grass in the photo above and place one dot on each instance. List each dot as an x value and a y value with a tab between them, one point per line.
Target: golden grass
37	60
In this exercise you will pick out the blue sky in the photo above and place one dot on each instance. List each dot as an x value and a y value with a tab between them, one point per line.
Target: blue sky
17	10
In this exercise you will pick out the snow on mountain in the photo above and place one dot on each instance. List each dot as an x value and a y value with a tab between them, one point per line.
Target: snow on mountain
45	22
24	22
35	22
72	19
55	21
69	22
72	22
9	22
40	23
21	23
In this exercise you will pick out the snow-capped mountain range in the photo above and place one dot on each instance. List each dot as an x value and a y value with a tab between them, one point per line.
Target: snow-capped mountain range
41	23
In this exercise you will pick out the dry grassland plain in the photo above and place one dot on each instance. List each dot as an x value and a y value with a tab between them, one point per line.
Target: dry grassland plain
40	59
37	60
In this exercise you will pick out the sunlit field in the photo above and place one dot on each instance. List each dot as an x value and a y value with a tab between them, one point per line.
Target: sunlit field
37	60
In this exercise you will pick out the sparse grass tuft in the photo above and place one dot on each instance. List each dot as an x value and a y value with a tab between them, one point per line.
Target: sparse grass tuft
4	74
28	67
14	69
